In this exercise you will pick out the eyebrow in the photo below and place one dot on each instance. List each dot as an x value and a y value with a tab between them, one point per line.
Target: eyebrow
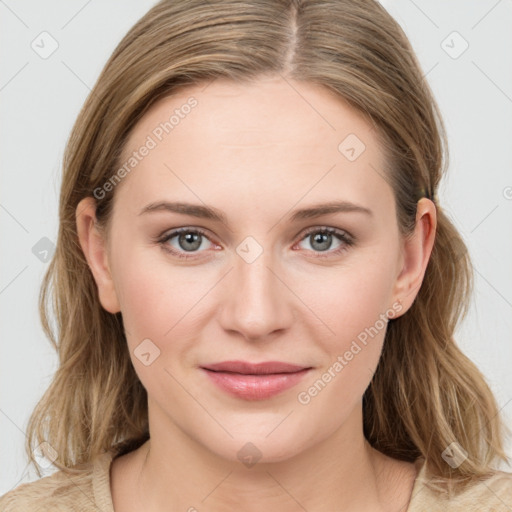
208	212
327	208
195	210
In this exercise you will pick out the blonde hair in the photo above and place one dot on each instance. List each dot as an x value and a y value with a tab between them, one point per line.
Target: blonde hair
425	393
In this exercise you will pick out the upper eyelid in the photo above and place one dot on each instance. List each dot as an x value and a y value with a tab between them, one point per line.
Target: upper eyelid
330	229
168	235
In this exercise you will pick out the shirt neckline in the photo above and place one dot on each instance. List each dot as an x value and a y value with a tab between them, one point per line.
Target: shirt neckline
102	493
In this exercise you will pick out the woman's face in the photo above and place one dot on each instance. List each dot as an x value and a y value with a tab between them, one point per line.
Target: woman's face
264	270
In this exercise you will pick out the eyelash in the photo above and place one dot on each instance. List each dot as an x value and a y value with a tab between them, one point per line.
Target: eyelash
342	236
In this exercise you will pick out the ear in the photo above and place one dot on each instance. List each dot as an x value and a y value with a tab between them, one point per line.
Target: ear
416	252
94	248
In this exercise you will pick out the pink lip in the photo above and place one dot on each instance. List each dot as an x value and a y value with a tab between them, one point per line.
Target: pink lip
255	381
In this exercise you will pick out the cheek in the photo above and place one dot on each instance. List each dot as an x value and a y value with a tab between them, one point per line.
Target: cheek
157	304
350	298
166	303
353	303
153	295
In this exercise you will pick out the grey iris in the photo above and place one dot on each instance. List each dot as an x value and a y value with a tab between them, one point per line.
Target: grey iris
194	239
323	241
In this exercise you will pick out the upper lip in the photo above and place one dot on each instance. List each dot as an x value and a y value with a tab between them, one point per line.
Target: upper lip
247	368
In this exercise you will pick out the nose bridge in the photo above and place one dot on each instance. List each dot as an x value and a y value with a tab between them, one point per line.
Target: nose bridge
257	303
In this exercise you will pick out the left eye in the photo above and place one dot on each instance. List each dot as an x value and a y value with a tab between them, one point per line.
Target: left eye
321	240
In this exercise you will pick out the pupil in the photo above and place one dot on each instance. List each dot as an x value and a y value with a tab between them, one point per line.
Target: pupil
324	241
193	239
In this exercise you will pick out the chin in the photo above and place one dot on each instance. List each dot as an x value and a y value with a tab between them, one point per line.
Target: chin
259	449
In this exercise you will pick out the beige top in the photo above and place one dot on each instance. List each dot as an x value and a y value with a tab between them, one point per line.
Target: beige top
90	491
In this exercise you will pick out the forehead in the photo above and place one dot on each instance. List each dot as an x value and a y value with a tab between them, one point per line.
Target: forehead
271	137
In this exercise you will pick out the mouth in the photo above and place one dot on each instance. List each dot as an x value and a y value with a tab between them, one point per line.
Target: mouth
251	381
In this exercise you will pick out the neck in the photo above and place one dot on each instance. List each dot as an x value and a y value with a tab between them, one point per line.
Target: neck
342	472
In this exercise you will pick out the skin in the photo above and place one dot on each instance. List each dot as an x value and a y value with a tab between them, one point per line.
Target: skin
257	153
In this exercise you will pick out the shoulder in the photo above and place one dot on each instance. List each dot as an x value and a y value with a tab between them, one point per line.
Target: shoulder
63	491
492	494
57	492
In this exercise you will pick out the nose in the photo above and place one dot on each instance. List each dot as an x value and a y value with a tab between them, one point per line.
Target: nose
256	303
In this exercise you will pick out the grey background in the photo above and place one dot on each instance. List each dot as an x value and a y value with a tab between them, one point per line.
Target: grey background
41	97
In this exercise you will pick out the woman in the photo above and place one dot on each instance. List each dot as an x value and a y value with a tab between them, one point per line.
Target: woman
255	286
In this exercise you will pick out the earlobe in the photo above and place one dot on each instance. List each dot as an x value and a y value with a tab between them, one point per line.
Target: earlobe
95	251
416	253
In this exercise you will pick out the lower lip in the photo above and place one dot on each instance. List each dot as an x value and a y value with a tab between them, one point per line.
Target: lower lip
255	387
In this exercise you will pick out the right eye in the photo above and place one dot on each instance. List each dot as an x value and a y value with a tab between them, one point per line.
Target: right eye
185	240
